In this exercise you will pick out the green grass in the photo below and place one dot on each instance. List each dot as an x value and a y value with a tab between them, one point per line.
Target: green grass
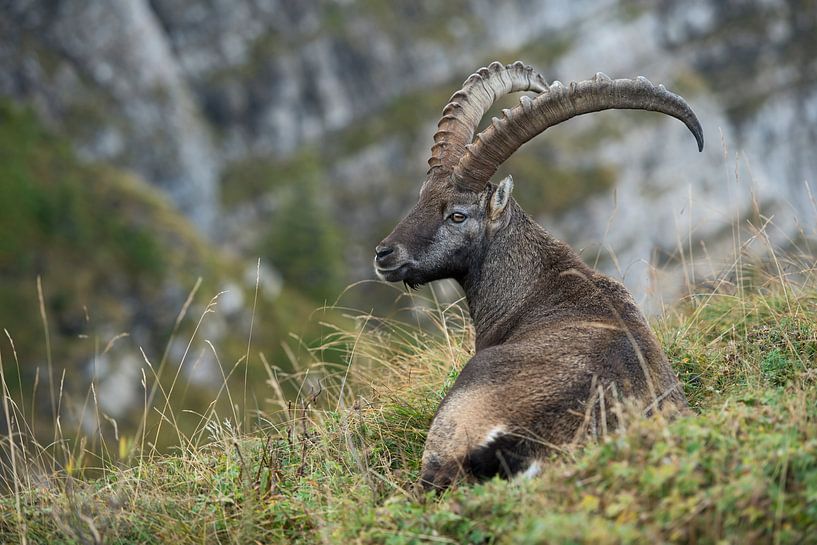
337	463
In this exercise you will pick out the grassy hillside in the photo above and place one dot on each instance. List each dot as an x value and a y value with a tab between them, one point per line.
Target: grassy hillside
337	465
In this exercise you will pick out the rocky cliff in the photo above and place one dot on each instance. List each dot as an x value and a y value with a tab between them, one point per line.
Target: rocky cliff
225	105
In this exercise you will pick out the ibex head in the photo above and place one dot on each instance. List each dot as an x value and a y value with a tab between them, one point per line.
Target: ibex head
438	238
459	210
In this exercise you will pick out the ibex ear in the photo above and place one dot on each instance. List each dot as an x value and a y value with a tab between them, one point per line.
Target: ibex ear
500	198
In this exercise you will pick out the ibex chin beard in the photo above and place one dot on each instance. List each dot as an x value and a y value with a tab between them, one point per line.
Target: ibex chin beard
401	273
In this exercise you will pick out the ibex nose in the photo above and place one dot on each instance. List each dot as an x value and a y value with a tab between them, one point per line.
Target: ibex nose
382	251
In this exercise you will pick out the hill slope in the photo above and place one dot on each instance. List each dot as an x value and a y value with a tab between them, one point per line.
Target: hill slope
337	465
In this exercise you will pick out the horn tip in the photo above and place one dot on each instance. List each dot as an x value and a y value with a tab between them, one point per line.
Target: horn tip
698	133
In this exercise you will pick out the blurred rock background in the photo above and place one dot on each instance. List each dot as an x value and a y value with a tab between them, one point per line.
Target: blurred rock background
147	143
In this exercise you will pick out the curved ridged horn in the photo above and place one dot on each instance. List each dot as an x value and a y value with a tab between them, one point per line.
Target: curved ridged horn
465	108
559	103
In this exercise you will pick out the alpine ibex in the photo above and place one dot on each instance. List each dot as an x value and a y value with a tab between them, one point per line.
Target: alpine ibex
553	337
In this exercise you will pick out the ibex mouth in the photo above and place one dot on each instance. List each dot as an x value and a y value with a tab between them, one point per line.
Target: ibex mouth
392	274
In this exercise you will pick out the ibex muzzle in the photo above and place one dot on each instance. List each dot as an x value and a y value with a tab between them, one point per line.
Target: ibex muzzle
558	345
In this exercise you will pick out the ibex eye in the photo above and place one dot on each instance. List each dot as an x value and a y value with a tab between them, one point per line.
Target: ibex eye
458	217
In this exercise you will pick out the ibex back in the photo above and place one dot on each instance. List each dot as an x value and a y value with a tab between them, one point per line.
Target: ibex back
557	343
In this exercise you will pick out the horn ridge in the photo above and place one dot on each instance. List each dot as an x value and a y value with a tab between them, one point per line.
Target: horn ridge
559	103
466	107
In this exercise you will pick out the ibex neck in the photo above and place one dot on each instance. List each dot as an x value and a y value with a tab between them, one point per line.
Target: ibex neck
518	274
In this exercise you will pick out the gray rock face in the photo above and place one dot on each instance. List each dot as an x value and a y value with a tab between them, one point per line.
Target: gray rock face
147	84
179	90
105	73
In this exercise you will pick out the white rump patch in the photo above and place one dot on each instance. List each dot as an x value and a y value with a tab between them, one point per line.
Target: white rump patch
493	434
534	469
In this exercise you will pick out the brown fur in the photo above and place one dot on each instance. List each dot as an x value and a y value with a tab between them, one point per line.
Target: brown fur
551	334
